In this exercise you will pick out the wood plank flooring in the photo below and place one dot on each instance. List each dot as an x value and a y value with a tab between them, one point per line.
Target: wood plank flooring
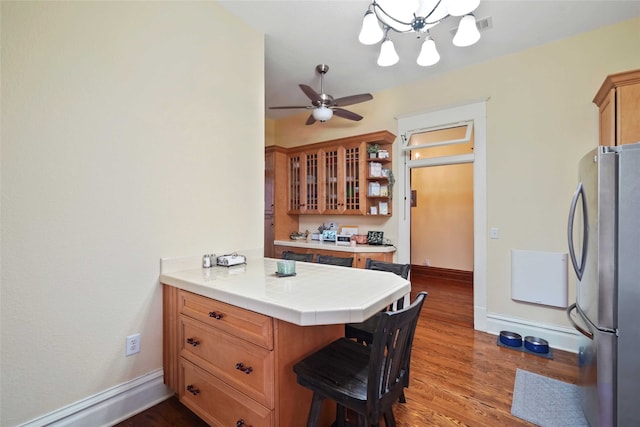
459	377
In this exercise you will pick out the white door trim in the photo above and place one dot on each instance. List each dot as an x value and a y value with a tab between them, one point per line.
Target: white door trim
407	124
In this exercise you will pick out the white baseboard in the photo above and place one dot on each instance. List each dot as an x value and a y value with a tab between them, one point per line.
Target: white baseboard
558	337
110	406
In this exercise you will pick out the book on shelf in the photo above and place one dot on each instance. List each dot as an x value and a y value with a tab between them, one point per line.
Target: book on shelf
374	189
384	190
383	208
375	169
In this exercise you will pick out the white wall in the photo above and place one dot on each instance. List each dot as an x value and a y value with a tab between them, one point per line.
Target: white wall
119	122
540	121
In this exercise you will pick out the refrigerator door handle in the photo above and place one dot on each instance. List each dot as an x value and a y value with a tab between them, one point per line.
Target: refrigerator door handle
579	269
583	331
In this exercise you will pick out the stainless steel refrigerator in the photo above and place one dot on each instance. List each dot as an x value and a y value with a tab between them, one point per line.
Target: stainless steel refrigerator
604	246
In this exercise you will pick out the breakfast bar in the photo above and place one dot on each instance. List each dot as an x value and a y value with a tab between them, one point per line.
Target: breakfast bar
232	334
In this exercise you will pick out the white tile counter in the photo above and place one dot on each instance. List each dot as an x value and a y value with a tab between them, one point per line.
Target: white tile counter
315	244
318	294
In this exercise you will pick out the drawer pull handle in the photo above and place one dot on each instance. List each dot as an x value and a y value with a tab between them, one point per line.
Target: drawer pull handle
215	315
193	390
240	423
193	342
246	369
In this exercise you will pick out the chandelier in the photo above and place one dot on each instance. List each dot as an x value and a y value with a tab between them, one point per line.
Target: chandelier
416	16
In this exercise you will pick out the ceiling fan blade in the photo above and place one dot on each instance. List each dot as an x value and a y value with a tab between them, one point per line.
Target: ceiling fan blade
345	114
311	94
353	99
290	106
310	120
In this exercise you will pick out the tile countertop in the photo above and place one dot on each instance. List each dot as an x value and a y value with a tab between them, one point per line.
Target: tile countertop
317	295
315	244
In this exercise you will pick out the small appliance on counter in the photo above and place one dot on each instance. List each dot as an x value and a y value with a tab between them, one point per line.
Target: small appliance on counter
329	235
375	238
231	260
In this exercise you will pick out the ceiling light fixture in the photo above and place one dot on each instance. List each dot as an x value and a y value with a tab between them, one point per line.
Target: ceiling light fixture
322	113
416	16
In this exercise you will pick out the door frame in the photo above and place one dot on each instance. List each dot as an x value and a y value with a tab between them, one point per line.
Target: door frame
415	123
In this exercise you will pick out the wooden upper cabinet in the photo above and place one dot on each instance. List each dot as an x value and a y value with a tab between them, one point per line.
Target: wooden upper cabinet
331	177
619	103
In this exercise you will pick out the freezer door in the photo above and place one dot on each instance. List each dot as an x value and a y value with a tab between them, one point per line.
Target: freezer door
628	283
597	373
596	287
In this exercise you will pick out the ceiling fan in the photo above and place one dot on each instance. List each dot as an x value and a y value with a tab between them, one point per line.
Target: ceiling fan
324	106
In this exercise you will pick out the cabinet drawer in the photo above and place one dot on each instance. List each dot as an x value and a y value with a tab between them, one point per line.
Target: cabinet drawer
247	367
218	403
253	327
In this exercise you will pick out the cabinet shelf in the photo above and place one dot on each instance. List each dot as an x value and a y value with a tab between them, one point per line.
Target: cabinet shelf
377	160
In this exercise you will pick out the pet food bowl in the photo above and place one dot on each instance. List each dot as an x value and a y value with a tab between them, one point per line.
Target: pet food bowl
537	345
510	338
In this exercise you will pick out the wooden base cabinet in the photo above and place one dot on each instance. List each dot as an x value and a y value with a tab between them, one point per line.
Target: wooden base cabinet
359	258
234	367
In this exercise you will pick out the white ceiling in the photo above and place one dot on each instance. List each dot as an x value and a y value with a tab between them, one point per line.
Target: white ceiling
299	34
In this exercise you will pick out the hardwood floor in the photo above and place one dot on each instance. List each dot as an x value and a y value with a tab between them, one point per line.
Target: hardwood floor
459	377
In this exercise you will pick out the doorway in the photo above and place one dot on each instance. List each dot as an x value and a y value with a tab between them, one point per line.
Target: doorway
442	221
454	151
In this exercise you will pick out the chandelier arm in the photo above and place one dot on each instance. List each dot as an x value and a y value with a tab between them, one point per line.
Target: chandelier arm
433	10
376	6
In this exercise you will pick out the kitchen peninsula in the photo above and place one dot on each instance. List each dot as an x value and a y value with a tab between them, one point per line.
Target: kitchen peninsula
232	334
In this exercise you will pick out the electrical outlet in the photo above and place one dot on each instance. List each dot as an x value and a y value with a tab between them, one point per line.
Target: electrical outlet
427	262
133	344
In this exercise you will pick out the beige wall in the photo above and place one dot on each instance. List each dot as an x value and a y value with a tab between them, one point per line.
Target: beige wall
119	119
540	121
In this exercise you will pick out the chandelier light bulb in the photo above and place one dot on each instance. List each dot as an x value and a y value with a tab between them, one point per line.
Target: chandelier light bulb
462	7
428	53
371	33
388	55
467	33
322	113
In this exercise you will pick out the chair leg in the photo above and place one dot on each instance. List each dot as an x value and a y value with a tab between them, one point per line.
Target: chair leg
389	419
402	399
316	408
339	416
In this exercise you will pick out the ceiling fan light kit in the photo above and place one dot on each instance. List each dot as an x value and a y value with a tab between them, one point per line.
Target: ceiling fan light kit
322	113
416	16
324	106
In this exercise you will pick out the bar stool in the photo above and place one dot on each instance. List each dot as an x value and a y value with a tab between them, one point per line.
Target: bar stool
334	260
363	332
296	256
364	379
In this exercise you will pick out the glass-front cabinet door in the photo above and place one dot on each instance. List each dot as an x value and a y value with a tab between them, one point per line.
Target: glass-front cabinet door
352	180
311	193
304	182
343	174
331	162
